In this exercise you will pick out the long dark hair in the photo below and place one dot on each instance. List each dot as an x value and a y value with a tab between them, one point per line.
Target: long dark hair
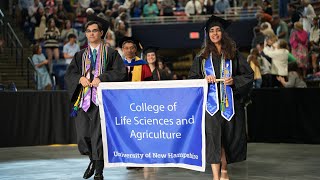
49	24
228	47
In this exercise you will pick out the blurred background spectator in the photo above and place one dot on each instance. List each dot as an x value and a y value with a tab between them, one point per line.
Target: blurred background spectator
295	79
42	76
299	46
70	48
51	42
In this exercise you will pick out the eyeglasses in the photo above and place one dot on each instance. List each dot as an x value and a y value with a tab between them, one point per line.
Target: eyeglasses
129	48
94	31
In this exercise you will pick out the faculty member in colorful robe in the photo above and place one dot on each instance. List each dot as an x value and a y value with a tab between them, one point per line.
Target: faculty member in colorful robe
230	79
90	66
137	68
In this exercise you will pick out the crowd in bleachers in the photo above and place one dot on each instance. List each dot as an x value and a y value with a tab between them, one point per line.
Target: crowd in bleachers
288	52
36	14
57	26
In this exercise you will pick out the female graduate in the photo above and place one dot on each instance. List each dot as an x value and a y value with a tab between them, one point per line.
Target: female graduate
230	79
151	57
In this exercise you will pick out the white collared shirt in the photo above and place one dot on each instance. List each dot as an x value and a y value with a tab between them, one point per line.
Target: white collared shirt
97	49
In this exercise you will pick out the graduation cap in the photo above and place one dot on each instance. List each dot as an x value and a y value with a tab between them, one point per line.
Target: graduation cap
150	49
104	23
130	40
216	21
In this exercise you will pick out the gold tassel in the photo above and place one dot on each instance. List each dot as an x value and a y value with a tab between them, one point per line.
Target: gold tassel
226	98
227	102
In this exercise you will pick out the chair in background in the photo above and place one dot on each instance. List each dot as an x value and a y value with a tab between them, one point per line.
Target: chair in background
35	74
12	87
2	87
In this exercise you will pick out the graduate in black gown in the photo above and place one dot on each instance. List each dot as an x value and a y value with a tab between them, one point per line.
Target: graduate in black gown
150	53
230	79
90	66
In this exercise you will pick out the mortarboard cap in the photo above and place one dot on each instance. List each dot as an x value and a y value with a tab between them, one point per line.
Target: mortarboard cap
104	23
131	40
217	21
150	49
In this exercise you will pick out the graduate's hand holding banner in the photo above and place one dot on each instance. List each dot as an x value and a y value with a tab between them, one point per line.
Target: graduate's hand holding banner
154	124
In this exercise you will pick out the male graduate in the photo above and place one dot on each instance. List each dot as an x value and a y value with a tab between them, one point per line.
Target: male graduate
90	66
137	69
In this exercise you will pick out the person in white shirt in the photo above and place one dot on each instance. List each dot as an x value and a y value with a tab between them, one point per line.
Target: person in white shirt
34	8
193	7
279	55
70	49
307	15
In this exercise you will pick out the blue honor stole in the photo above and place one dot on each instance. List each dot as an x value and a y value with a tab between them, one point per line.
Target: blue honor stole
226	94
212	97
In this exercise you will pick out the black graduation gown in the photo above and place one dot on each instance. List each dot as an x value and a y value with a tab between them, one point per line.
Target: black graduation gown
220	132
115	71
88	123
159	72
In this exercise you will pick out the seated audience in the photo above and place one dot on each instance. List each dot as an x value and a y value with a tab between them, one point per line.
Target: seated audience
40	25
67	31
150	9
110	38
294	15
167	7
221	6
267	7
193	7
39	60
295	79
70	49
281	28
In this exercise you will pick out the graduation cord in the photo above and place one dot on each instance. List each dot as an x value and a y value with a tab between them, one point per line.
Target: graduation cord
223	86
85	58
76	105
